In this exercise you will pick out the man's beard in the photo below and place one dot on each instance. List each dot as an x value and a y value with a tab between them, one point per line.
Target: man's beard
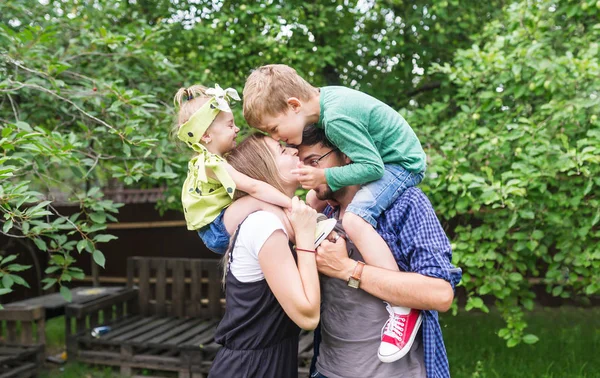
328	194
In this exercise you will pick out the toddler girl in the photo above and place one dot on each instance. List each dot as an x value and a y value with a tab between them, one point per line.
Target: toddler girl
206	124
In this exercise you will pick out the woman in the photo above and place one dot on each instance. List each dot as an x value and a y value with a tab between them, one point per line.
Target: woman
269	295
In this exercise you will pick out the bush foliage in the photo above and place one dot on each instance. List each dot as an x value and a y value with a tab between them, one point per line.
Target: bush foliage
503	97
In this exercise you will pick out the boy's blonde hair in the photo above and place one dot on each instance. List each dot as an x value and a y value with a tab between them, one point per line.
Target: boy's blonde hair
268	88
188	100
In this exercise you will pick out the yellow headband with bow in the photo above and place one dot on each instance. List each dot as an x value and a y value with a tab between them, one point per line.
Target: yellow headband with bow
192	131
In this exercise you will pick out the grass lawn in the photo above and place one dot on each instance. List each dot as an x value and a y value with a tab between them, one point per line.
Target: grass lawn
569	347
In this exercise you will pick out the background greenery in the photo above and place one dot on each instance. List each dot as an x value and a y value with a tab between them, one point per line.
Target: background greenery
503	95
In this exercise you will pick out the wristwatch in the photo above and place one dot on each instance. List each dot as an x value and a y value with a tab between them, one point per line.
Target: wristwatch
354	280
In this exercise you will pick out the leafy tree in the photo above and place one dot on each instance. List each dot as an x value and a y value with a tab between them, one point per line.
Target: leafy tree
503	97
80	107
514	157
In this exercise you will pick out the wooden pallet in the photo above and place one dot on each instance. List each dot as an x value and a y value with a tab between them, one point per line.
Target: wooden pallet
19	361
175	304
22	342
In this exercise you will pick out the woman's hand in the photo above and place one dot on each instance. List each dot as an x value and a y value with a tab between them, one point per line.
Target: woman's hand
304	221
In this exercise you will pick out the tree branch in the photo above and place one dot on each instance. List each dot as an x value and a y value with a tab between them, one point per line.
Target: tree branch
425	88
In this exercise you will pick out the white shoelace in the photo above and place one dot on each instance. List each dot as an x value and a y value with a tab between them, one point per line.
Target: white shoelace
395	325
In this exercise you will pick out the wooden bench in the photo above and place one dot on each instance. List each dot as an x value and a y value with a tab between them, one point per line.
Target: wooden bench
160	323
23	340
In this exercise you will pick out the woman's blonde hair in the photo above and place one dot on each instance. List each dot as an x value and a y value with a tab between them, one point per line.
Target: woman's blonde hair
254	159
188	101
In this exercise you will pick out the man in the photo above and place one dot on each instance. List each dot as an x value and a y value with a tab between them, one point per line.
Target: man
352	311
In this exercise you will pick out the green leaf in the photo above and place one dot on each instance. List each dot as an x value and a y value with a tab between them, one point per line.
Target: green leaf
20	281
49	283
98	217
66	293
7	281
81	245
7	226
530	339
40	244
17	267
99	258
8	259
104	238
515	277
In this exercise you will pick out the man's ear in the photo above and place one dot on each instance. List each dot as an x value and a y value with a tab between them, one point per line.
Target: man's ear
294	103
346	159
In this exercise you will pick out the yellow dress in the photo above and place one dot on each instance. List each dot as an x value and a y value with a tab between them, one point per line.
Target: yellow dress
203	197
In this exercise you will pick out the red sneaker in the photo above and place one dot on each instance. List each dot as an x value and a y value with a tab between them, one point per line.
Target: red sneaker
398	333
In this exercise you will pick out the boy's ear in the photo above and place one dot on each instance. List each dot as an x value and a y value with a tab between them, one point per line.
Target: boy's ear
294	103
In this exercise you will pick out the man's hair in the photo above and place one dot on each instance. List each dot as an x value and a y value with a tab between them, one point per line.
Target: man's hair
313	135
268	88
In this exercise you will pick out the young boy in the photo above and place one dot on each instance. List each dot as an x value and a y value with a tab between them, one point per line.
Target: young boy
386	156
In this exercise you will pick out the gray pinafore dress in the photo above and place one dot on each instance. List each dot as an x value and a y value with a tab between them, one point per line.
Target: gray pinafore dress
259	340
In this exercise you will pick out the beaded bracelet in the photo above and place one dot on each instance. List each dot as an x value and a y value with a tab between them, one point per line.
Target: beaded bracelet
306	250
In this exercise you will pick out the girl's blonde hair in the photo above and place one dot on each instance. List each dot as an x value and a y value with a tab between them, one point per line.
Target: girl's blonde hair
254	159
188	101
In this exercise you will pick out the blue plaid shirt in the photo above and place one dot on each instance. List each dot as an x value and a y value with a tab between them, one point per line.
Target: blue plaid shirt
413	232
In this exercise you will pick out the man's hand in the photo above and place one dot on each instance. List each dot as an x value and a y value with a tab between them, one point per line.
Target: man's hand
333	260
310	177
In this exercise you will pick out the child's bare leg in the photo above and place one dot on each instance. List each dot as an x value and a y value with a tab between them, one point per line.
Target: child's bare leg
371	245
241	208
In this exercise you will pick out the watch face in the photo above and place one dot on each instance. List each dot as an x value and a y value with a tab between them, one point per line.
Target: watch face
353	283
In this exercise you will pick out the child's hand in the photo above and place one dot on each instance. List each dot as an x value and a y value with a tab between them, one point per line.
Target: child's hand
310	177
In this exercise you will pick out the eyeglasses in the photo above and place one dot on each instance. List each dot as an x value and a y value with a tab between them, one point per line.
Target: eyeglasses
314	162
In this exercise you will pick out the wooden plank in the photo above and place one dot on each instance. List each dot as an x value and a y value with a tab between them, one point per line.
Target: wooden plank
130	271
93	319
189	324
192	333
306	341
159	330
178	290
26	333
41	331
206	337
124	337
11	331
144	285
126	355
140	225
116	331
161	289
24	312
78	310
214	288
196	294
25	370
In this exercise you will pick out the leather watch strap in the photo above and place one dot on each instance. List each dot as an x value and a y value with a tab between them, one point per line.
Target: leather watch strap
354	280
358	270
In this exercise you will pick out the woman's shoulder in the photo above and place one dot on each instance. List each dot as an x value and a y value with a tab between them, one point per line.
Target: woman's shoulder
263	219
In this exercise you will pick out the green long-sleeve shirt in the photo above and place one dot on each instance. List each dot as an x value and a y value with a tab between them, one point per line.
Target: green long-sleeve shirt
370	133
